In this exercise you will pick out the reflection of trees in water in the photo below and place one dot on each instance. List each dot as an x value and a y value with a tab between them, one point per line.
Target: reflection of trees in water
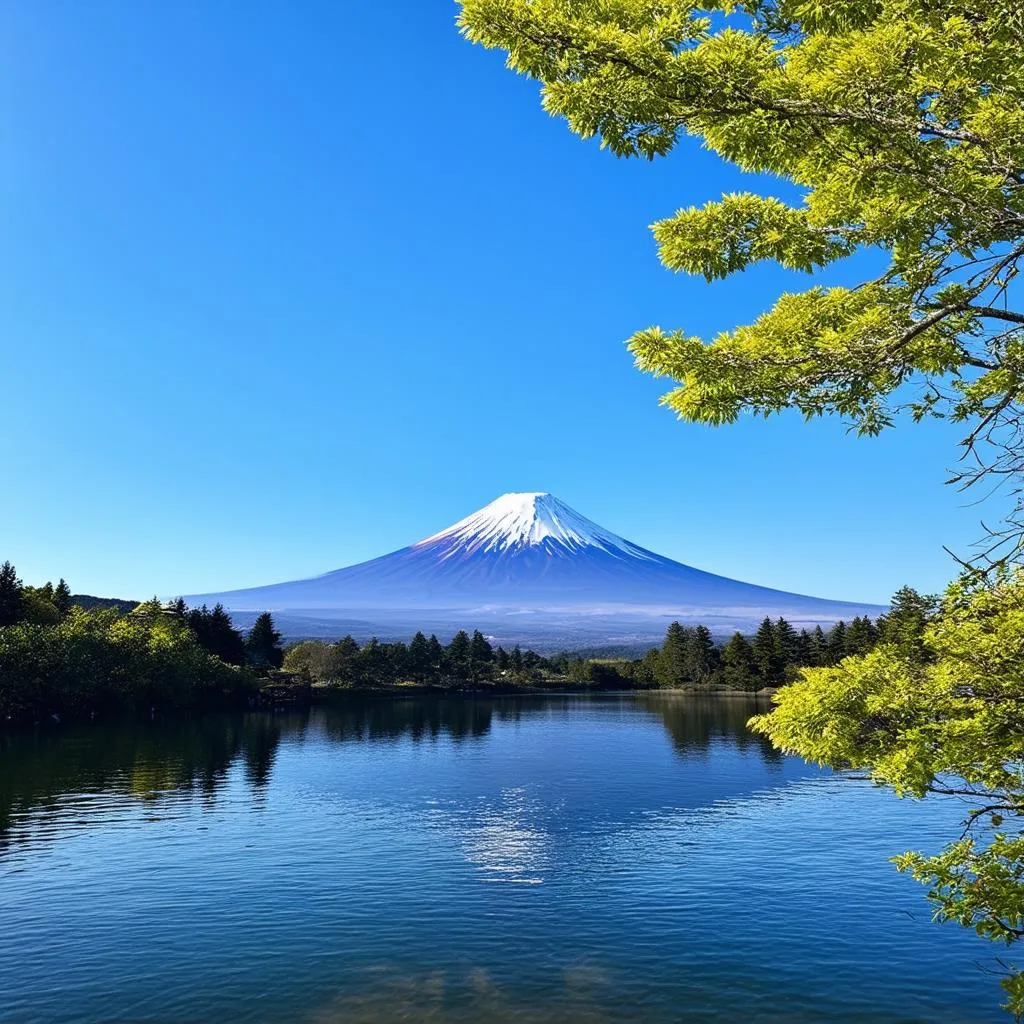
148	760
416	718
695	721
176	758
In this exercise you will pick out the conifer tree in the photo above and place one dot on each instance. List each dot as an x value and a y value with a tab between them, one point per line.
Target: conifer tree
480	651
436	657
672	665
803	648
515	660
11	603
457	655
836	648
903	626
263	645
787	647
62	599
501	659
766	654
701	655
213	630
861	636
738	661
419	658
818	652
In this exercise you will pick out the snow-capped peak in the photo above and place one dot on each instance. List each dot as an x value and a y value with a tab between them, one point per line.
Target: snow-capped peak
528	519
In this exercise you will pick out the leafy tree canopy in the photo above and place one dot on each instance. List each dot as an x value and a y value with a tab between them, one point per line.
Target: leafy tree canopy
901	122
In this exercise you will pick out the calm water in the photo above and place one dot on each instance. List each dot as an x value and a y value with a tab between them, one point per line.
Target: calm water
569	859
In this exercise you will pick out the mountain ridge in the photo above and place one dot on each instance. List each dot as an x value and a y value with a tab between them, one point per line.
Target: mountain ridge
530	554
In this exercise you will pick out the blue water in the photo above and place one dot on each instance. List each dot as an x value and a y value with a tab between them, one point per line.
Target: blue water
557	859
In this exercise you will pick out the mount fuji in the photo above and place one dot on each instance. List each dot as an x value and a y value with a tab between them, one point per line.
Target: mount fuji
526	567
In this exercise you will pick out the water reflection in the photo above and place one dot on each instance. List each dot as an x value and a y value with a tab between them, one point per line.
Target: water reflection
56	770
460	860
696	722
59	769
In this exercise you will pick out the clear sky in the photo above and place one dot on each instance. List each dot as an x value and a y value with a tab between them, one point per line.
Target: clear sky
286	286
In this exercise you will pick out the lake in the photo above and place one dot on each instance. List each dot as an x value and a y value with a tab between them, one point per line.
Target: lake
607	858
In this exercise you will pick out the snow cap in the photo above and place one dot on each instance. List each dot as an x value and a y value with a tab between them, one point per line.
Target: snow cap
528	519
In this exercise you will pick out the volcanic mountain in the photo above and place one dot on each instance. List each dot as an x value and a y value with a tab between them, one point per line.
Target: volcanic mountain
525	566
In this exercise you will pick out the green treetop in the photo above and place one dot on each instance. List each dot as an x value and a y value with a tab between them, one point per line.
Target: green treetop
767	658
901	122
673	663
740	667
263	644
11	601
62	598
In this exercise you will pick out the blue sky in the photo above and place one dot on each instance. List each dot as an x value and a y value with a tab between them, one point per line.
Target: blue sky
288	289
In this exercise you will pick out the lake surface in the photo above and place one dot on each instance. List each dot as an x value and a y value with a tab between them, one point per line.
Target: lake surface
540	859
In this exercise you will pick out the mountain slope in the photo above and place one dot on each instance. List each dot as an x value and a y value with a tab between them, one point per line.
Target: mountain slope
531	553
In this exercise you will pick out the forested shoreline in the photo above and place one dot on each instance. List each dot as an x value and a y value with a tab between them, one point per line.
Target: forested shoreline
690	657
58	658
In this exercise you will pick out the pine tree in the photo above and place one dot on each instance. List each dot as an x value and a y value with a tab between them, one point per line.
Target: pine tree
904	624
501	659
738	660
804	644
11	604
515	660
766	654
861	636
263	645
701	655
436	657
457	655
419	658
835	649
62	599
672	664
787	646
213	630
480	651
818	653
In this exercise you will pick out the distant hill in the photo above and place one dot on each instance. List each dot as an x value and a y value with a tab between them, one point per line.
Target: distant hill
87	601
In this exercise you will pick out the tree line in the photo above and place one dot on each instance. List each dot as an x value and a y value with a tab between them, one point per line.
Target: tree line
468	659
777	652
57	657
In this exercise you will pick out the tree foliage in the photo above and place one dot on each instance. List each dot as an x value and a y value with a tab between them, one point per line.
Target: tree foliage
263	644
901	122
942	716
216	633
11	605
99	660
468	659
690	657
